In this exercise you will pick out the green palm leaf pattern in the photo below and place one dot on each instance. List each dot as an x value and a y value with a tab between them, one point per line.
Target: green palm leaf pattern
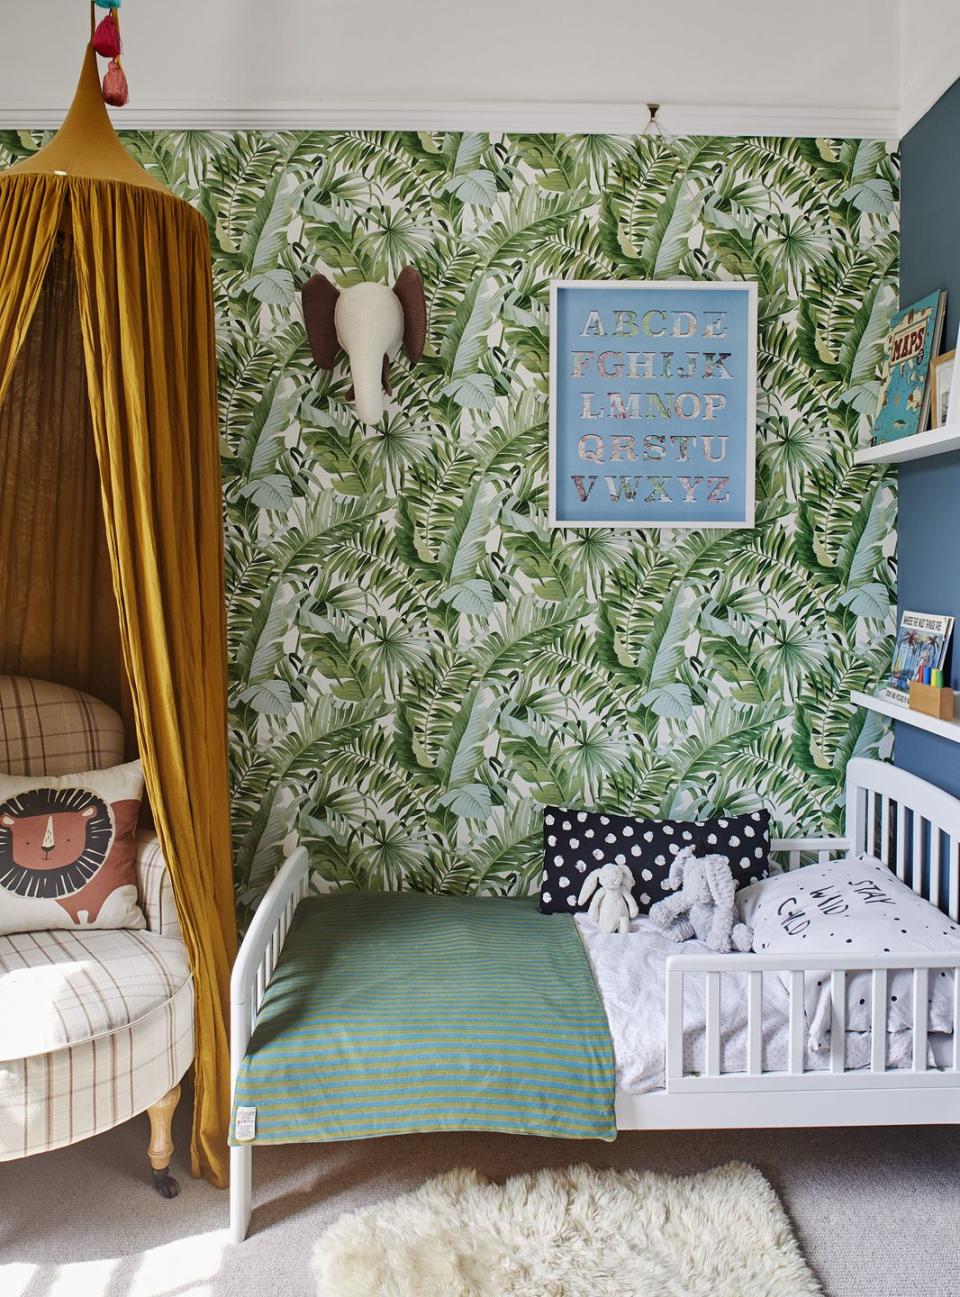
416	660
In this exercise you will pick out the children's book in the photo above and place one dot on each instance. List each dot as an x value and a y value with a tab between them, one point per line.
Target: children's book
913	341
922	641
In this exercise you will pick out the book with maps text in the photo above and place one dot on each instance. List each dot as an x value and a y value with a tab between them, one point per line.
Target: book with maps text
913	341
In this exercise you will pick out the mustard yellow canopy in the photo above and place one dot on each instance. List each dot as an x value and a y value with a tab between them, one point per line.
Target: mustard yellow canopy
92	248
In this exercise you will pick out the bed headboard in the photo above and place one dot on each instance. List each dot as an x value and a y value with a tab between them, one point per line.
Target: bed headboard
912	826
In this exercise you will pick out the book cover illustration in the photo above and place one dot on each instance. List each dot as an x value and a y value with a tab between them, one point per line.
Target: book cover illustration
913	341
922	641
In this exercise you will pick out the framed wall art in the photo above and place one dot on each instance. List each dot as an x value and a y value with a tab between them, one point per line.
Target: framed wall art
652	403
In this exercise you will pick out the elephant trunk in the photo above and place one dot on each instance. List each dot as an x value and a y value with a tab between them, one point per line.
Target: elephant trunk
369	323
368	394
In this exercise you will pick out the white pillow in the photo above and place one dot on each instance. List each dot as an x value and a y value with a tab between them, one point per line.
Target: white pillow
854	906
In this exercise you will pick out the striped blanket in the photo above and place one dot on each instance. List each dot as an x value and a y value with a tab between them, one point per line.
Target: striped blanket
397	1012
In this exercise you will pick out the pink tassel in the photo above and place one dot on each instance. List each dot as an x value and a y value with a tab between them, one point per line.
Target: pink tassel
115	89
106	39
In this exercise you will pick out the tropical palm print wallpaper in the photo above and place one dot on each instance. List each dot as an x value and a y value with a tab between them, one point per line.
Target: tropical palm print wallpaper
417	661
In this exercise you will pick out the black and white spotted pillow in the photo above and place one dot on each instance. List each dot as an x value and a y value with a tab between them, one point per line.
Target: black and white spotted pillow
576	842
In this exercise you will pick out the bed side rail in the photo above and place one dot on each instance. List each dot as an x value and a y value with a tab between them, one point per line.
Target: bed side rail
753	1075
260	949
791	853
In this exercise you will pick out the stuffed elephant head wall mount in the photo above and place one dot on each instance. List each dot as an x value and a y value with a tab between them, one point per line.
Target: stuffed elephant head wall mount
369	321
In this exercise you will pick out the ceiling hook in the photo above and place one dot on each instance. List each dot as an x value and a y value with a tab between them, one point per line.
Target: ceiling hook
653	127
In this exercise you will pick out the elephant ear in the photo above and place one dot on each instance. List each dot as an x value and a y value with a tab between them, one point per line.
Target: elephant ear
720	880
319	302
678	867
409	289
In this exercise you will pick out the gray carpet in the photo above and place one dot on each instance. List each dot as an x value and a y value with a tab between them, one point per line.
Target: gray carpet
876	1211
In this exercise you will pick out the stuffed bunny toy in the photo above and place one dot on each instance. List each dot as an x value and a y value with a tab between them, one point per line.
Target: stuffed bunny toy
613	906
704	905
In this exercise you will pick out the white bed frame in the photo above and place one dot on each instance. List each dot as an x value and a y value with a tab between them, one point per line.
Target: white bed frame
913	827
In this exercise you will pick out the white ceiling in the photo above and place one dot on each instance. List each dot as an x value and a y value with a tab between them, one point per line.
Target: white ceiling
738	65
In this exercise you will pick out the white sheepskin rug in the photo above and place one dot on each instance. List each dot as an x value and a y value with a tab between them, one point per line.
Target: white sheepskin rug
570	1233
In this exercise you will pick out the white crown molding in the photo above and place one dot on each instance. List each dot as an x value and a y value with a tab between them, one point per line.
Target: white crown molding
917	100
562	117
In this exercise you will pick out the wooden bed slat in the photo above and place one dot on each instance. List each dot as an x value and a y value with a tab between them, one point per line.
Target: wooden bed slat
933	889
838	1020
920	991
796	1022
674	1068
878	1021
755	1023
901	854
884	852
919	844
712	1008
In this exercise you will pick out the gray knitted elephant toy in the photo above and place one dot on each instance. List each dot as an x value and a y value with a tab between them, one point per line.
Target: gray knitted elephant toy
704	905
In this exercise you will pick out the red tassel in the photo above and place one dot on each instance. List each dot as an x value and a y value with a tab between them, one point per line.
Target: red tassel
106	39
115	89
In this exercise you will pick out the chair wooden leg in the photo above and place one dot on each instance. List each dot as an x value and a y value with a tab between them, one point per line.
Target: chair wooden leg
160	1148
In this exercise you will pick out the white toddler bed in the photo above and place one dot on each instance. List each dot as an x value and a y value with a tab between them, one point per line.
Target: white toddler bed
751	1067
631	974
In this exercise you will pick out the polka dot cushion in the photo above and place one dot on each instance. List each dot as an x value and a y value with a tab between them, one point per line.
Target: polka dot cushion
577	842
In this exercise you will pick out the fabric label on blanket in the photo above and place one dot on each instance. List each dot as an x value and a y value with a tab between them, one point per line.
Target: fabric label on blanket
399	1012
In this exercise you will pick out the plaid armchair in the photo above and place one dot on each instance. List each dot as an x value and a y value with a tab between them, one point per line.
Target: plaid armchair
97	1025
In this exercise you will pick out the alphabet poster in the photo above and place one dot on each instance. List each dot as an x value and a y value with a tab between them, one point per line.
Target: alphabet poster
652	403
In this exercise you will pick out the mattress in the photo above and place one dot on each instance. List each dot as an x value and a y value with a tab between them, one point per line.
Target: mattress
630	970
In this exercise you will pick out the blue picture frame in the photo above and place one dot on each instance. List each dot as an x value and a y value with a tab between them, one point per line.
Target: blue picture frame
652	403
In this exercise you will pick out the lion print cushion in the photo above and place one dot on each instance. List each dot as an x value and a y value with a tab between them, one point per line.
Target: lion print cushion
67	847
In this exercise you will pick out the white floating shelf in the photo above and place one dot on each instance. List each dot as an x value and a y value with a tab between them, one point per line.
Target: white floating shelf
938	441
932	724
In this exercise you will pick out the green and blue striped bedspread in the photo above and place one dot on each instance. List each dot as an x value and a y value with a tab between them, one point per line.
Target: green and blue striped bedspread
397	1012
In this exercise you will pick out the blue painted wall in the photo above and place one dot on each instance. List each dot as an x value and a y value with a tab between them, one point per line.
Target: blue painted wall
929	514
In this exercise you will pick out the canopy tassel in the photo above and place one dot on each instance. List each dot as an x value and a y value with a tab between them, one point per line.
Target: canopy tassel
116	92
106	38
